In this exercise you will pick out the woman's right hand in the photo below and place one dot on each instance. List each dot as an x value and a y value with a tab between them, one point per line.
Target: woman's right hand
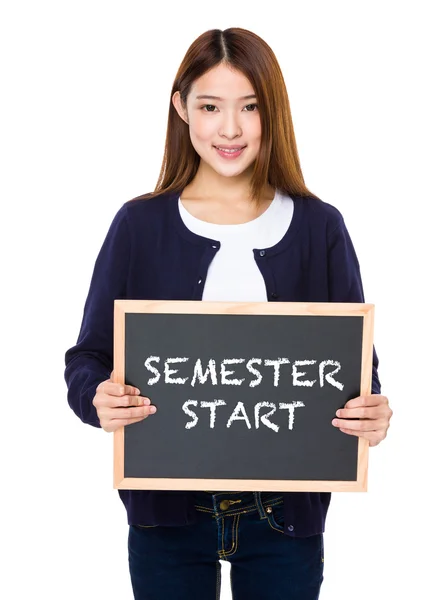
117	405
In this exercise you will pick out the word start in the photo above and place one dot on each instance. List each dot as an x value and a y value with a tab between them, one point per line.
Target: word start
210	373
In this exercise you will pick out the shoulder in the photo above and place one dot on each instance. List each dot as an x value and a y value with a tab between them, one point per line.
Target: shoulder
318	213
147	205
141	213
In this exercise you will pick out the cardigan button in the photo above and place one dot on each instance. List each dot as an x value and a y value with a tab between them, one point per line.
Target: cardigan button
274	295
291	527
262	253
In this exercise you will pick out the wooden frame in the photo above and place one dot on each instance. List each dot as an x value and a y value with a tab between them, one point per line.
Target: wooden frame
121	307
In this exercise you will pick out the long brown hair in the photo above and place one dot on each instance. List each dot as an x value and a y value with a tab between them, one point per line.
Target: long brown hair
277	163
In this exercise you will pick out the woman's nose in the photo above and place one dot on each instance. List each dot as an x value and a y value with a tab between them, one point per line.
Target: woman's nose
230	126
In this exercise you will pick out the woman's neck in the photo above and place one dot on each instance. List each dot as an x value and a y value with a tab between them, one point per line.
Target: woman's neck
217	207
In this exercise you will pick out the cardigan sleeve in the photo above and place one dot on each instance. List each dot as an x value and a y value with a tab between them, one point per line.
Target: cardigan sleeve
345	283
90	361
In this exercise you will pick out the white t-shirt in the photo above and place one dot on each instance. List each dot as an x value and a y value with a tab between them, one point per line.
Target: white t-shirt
233	274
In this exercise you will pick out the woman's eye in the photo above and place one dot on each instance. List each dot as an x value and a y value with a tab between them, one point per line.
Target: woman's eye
213	106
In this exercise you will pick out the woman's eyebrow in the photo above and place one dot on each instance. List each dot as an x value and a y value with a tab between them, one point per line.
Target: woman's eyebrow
202	96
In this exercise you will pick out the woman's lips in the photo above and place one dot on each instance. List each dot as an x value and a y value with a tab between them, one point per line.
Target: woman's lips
230	155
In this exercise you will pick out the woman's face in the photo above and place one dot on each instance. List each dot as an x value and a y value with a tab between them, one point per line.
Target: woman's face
228	119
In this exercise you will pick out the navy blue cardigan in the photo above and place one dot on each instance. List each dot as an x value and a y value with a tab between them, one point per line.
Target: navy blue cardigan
149	253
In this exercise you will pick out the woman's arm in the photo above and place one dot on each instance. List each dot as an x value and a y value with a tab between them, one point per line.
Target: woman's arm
364	416
90	361
345	283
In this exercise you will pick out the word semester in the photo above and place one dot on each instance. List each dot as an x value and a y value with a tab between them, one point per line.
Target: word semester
225	376
201	375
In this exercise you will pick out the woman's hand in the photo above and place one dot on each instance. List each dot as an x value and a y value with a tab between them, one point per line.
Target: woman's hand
117	405
373	414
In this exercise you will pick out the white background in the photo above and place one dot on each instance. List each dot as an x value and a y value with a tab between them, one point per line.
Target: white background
85	95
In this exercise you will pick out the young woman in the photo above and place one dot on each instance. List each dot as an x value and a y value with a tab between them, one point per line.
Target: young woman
231	220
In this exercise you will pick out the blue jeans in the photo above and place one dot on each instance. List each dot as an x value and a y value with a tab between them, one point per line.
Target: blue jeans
244	528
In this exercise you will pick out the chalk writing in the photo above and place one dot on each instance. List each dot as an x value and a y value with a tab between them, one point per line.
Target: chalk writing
239	413
201	375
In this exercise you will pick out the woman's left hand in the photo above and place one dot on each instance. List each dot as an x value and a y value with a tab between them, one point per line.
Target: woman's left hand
373	414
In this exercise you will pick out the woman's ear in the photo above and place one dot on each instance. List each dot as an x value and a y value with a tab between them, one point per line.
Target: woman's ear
181	110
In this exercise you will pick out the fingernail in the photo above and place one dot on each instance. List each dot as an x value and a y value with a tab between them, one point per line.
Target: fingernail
147	401
137	392
153	409
335	422
338	413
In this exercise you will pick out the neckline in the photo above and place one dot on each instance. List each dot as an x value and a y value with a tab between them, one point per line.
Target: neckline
228	227
194	238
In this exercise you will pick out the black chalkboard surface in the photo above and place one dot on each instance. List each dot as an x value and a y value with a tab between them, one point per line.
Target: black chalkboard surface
245	394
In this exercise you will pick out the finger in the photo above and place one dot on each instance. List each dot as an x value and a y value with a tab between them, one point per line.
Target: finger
117	389
116	423
372	400
135	412
349	431
123	401
373	438
362	412
360	425
106	401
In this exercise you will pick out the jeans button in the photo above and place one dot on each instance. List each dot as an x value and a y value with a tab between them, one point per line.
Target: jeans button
224	505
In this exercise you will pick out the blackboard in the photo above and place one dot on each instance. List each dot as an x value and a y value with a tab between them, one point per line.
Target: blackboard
245	394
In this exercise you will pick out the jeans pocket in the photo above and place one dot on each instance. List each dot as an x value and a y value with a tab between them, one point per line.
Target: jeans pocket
275	516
